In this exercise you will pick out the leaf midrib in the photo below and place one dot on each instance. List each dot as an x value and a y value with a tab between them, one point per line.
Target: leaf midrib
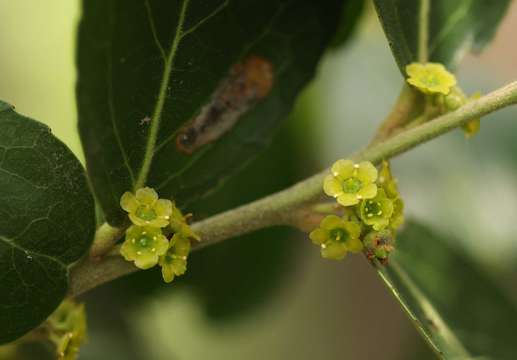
179	34
162	94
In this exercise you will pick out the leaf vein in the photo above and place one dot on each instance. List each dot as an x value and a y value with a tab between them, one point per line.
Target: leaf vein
31	252
216	11
113	116
153	30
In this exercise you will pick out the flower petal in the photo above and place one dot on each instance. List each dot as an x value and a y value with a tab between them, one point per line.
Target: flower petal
333	251
146	261
354	245
434	68
133	232
332	186
319	236
146	196
167	273
366	172
397	219
331	222
353	229
387	208
343	169
347	199
128	251
414	69
182	246
128	202
418	84
163	208
380	223
368	192
161	245
160	222
177	214
179	266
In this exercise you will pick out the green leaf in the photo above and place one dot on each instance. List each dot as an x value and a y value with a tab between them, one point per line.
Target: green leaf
454	303
351	14
454	27
163	60
46	221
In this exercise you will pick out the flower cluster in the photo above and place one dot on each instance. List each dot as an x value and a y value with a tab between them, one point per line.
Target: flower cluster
373	210
155	221
67	329
433	80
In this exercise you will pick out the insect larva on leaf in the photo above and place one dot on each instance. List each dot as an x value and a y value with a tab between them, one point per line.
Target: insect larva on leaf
246	84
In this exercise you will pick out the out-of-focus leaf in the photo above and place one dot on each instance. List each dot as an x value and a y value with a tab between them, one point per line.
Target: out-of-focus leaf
455	27
457	307
123	76
46	221
241	274
351	14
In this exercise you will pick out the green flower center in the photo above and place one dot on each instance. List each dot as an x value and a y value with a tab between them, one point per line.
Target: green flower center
352	185
338	235
169	258
146	213
430	79
373	208
145	241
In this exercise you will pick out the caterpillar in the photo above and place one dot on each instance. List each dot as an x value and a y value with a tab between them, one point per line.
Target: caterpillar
247	83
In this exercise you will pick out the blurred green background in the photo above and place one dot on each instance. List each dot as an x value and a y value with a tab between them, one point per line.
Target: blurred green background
270	295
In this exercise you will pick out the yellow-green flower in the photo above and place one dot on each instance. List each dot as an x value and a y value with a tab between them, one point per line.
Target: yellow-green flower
67	326
179	225
389	185
397	218
387	181
430	78
377	212
379	244
144	245
336	237
472	127
174	262
145	209
349	183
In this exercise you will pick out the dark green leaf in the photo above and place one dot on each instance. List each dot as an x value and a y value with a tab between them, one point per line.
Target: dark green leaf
351	14
121	68
46	221
456	305
455	27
